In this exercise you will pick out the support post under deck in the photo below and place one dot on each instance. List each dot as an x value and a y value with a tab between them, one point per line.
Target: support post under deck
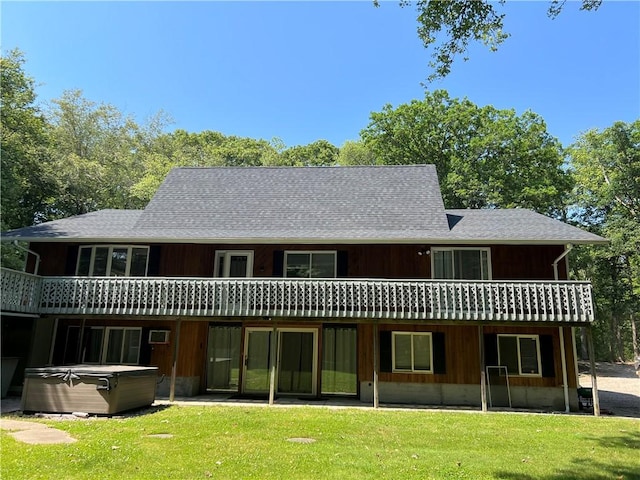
172	387
592	364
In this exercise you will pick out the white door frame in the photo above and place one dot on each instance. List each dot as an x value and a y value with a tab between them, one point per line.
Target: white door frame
225	256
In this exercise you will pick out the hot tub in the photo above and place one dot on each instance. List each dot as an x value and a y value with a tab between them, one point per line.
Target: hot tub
97	389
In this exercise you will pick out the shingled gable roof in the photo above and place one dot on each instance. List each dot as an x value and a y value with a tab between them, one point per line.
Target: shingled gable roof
515	225
299	204
363	204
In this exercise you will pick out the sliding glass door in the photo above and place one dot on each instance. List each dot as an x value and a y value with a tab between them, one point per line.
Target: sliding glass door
339	360
296	366
223	355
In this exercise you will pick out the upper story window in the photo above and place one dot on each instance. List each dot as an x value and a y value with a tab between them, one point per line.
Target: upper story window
461	263
310	264
113	261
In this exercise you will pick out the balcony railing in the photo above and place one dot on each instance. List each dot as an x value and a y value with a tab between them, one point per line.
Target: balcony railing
526	301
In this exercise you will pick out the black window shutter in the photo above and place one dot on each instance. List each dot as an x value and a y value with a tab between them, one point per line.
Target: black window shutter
278	263
439	357
546	354
491	349
342	264
154	261
385	351
72	260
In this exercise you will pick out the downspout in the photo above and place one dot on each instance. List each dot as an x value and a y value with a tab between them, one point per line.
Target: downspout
25	249
555	262
563	354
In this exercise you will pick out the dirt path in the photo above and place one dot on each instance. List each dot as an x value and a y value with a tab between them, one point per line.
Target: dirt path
618	387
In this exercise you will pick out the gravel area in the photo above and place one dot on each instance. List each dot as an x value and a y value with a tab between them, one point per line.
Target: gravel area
618	388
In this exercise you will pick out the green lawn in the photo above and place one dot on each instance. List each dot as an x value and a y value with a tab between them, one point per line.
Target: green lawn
253	442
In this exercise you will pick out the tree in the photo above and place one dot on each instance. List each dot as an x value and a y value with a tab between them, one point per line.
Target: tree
606	166
485	157
204	149
27	182
451	25
355	153
318	153
94	148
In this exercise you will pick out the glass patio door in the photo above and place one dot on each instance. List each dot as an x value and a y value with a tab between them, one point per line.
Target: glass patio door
296	364
257	360
223	353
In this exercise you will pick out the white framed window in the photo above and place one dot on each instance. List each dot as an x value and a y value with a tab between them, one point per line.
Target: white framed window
461	263
233	263
113	261
412	352
299	264
520	354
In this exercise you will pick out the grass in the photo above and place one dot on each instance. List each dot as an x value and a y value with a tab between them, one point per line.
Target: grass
253	442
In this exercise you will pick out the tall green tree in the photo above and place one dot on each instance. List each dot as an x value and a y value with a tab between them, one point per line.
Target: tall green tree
450	26
203	149
94	148
606	166
27	183
485	157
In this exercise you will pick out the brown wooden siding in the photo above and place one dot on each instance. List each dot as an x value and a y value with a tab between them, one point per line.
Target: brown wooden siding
186	260
531	262
53	258
509	262
463	355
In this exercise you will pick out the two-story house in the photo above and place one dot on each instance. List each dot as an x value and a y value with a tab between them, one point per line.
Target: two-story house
310	282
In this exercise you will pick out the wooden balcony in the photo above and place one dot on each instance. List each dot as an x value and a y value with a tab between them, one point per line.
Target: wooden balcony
514	301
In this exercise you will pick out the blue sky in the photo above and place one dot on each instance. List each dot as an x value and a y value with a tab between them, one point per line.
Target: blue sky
304	71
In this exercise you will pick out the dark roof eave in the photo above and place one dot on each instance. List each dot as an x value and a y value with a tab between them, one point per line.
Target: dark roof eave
310	240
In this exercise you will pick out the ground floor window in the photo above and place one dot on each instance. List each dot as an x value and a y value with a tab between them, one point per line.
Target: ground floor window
412	352
94	338
339	360
520	354
112	345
